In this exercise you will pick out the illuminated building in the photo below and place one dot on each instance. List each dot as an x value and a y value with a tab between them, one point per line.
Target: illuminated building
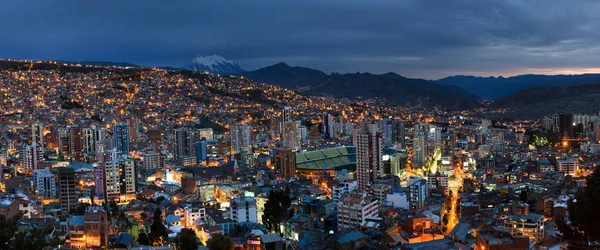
240	138
420	149
342	189
485	125
66	188
134	128
354	207
398	133
121	139
119	180
201	151
290	136
96	227
243	210
75	143
568	166
398	164
205	133
531	225
438	182
37	133
44	183
31	156
285	162
369	158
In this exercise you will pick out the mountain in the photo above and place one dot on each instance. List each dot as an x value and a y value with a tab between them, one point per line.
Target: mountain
214	64
492	88
286	76
543	101
392	87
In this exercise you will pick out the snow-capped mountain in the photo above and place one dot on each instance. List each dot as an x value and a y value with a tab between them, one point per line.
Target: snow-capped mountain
214	64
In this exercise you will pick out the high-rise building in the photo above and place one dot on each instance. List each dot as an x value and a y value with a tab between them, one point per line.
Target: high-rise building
31	156
369	158
89	144
286	115
290	136
151	160
485	125
285	162
398	133
121	139
328	126
385	126
241	138
201	151
354	208
184	144
44	183
243	210
119	184
398	164
66	188
37	133
420	148
565	126
75	143
448	143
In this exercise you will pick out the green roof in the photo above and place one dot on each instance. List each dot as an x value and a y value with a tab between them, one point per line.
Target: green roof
329	158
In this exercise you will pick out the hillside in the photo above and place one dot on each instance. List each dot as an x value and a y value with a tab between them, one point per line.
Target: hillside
492	88
391	87
542	101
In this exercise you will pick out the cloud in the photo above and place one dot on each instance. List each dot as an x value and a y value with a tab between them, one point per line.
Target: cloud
418	38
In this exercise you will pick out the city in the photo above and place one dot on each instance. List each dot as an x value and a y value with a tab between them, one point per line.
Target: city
489	140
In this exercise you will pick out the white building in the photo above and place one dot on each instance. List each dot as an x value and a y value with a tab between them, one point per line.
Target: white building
398	200
206	133
31	156
568	165
342	189
420	149
435	181
531	225
243	210
44	183
355	207
240	138
194	214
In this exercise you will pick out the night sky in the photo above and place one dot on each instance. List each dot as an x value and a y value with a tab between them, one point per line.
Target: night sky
415	38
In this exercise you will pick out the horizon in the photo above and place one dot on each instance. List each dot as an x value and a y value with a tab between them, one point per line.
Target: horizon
413	38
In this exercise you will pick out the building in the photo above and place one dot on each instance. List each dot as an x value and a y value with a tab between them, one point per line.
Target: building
565	125
121	139
369	158
31	156
151	160
184	146
398	133
530	225
119	180
96	227
420	149
354	208
285	162
567	166
291	136
9	208
201	151
485	125
243	210
398	164
418	192
342	189
499	239
66	188
240	138
438	182
380	191
205	134
44	183
37	133
328	126
75	143
398	200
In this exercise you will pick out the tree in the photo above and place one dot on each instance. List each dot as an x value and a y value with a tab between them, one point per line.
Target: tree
186	240
523	196
275	210
583	214
220	242
8	226
158	232
30	239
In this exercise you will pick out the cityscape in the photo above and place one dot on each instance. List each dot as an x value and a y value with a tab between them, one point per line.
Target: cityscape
103	154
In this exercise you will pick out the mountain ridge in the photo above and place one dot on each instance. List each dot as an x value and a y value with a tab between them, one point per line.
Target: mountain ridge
213	64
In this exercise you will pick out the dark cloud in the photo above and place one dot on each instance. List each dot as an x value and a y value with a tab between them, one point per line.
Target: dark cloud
419	38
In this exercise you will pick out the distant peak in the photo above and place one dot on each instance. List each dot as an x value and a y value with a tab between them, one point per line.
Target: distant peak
214	64
281	64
